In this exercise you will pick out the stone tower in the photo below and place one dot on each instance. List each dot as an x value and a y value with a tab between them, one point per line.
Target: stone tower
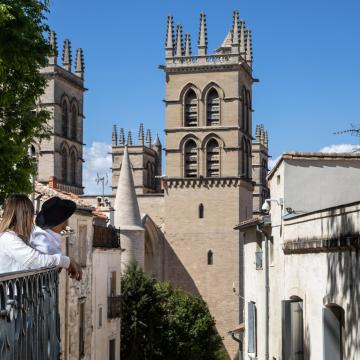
127	216
145	155
208	184
260	158
62	155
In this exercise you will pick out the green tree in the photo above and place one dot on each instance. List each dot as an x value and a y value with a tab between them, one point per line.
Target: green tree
160	322
23	50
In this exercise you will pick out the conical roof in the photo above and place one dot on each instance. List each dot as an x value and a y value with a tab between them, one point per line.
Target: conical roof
127	214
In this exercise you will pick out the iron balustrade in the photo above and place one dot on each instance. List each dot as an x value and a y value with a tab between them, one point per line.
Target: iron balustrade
106	237
29	317
114	306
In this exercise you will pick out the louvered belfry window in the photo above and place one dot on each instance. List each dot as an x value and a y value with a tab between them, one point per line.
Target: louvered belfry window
191	109
65	119
64	165
213	159
191	159
213	108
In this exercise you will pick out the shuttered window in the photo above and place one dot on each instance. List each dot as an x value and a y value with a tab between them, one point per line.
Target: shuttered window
191	113
213	108
65	119
213	159
191	159
251	328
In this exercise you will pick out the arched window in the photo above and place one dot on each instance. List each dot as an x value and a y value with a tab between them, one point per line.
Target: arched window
213	108
148	175
64	164
245	158
201	211
73	168
333	330
212	159
264	171
65	119
210	258
191	113
243	109
249	162
153	180
191	159
73	122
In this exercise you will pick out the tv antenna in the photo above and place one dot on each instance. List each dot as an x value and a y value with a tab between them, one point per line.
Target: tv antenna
355	131
104	180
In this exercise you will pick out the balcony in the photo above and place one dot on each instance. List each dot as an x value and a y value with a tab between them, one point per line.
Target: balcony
29	319
106	237
114	306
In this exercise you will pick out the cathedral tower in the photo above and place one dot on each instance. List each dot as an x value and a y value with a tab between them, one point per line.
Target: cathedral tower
208	184
62	155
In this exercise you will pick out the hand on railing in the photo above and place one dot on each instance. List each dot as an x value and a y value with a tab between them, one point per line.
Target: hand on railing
74	270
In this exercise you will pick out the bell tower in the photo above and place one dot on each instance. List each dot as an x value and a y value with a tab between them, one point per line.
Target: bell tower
61	156
208	185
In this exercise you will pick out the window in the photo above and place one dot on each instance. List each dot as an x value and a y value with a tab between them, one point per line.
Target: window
212	159
251	329
65	119
113	283
263	171
191	113
333	326
258	253
278	180
191	159
64	164
292	329
201	211
73	168
100	317
245	158
82	329
112	347
210	258
82	244
73	122
213	108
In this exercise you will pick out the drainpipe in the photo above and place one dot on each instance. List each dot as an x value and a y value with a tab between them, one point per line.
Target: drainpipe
267	290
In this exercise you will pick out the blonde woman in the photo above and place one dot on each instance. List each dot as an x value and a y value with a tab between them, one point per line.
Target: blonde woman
15	230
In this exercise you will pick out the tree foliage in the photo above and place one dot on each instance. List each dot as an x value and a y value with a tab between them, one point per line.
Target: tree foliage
160	322
23	50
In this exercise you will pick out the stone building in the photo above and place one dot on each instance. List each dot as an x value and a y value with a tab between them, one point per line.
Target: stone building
301	261
62	155
213	168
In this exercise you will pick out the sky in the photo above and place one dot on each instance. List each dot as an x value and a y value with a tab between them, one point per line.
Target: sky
306	56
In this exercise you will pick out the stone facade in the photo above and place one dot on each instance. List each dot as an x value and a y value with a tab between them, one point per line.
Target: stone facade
62	155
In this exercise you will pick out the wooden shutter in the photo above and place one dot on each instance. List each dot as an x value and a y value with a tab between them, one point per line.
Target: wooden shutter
251	328
332	335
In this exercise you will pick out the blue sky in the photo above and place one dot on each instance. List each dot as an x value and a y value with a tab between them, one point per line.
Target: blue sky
306	55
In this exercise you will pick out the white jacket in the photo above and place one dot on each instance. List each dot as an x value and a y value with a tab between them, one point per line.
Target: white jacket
16	255
45	241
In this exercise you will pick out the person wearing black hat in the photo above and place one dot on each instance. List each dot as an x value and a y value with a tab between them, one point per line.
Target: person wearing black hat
50	222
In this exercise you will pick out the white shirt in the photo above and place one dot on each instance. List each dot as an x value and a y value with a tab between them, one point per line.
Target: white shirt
16	255
46	241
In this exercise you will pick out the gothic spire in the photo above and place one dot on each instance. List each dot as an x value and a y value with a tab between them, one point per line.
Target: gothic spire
66	56
157	141
52	58
179	41
187	45
235	33
242	38
262	134
127	213
202	43
249	55
141	134
122	137
266	139
169	43
114	136
129	139
148	138
79	66
257	133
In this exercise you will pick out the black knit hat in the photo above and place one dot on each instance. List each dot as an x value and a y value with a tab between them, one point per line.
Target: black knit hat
54	212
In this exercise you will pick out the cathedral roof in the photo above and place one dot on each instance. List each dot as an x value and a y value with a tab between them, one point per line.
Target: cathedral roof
127	214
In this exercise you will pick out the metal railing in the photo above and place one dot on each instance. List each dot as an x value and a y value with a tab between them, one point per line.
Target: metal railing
114	306
29	318
106	237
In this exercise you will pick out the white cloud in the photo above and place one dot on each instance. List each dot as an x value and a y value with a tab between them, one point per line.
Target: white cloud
340	148
97	161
